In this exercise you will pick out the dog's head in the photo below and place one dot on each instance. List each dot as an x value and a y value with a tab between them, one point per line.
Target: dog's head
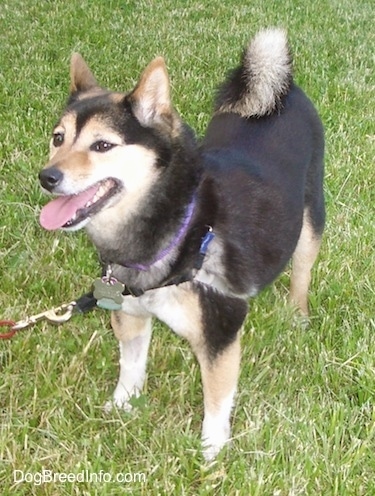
107	146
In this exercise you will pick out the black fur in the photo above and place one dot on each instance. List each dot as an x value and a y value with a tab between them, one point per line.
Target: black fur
254	177
222	317
267	171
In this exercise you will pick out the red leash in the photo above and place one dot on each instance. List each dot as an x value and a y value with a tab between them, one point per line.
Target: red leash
10	324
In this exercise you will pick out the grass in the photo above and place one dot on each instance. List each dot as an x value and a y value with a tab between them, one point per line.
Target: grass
304	423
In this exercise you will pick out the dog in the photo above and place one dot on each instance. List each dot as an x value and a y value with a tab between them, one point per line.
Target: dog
187	230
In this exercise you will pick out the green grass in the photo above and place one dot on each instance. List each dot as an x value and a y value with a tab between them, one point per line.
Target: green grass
304	423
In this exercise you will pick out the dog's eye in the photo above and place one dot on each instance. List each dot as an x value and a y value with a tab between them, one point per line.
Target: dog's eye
57	139
101	146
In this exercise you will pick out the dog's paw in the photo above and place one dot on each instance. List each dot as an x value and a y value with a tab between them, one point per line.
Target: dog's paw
213	444
124	398
210	452
301	321
120	403
212	449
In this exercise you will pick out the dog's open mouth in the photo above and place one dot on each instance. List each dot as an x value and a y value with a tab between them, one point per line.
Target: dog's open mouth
69	211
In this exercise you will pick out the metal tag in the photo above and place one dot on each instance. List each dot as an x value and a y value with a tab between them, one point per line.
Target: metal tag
108	293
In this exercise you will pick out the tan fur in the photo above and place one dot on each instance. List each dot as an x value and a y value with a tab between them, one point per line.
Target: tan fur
219	376
93	130
75	163
91	93
302	261
192	310
67	127
116	97
181	309
127	327
82	168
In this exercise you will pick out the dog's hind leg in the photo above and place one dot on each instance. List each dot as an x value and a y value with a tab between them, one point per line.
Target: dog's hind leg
134	334
303	260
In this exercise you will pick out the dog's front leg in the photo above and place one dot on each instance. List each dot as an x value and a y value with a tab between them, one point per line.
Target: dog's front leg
210	321
219	378
134	334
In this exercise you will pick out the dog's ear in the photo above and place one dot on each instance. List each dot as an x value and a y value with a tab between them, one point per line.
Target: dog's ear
150	99
81	78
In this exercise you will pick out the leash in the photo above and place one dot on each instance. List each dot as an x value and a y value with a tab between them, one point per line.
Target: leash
56	315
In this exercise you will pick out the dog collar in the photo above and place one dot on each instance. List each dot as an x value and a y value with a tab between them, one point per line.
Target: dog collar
175	241
108	291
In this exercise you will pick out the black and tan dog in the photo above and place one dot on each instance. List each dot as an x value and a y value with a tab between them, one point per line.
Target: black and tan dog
189	231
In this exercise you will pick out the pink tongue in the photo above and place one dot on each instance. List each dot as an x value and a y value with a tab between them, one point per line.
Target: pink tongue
63	208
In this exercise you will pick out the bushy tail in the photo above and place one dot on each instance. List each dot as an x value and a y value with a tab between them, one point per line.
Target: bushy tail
256	87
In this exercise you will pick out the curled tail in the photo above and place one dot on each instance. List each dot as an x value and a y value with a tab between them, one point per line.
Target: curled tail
256	87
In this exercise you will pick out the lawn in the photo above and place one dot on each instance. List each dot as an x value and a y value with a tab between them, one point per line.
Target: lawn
304	422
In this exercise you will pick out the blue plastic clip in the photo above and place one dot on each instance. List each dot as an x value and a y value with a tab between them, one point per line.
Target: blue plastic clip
206	241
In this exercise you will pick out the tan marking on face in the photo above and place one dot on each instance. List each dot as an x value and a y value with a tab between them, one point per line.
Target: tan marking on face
68	158
96	129
91	93
66	126
75	163
74	157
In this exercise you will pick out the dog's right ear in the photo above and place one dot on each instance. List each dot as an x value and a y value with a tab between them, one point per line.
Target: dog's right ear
81	78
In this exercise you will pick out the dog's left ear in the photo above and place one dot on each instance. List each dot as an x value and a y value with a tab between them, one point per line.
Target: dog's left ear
81	78
150	99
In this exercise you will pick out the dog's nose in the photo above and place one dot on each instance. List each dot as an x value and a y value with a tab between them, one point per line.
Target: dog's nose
50	178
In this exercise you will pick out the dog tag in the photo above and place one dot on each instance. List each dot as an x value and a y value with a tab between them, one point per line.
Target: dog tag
108	304
108	293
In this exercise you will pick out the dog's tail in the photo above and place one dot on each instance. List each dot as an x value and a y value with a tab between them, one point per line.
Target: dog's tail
257	86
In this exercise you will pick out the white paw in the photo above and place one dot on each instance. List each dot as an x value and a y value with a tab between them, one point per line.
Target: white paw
213	442
210	451
216	428
122	399
121	404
